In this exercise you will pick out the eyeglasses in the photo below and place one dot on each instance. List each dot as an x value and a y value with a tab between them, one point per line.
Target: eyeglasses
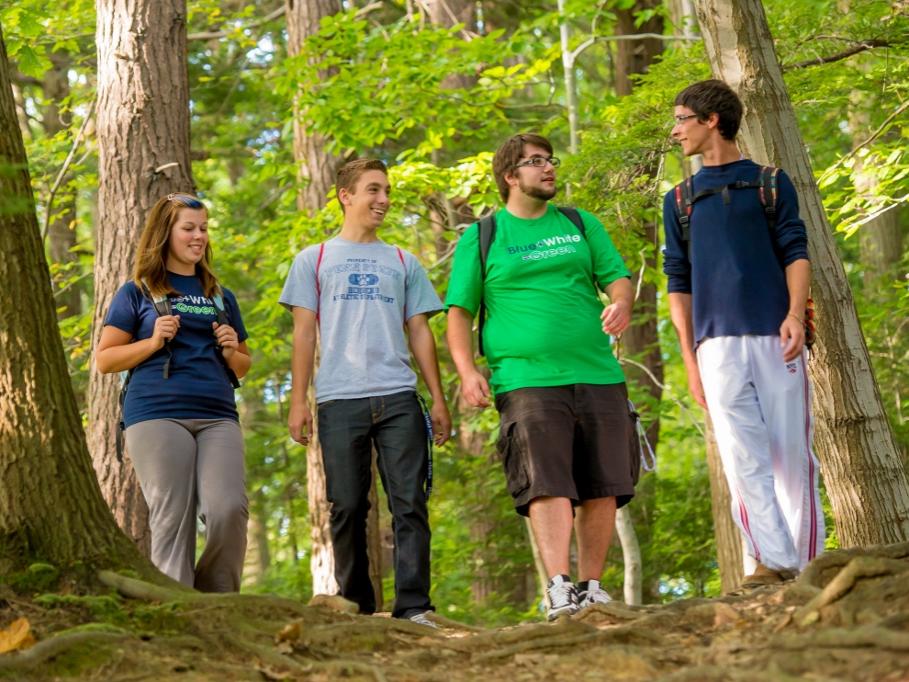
681	118
540	162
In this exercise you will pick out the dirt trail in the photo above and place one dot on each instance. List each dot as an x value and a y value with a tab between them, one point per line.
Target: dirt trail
845	618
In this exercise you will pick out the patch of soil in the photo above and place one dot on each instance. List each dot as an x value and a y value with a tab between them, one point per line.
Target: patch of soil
846	617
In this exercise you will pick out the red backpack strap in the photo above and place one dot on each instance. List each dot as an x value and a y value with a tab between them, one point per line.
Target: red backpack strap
401	258
684	206
319	286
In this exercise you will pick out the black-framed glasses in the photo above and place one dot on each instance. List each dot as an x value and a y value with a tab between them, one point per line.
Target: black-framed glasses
540	162
681	118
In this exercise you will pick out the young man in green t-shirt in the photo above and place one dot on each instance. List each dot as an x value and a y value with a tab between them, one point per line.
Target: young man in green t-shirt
563	406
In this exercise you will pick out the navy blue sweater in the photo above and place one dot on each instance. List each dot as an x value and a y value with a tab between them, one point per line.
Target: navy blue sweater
735	267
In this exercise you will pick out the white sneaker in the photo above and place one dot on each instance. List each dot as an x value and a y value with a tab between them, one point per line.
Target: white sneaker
422	618
563	597
591	593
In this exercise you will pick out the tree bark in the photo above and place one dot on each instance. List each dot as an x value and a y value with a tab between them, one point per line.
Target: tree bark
50	506
728	537
317	172
143	154
863	471
61	232
641	339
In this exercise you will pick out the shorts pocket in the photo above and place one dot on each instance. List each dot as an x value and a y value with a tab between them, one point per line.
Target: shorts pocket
509	450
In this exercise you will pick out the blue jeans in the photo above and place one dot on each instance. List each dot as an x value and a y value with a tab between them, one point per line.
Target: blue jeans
347	431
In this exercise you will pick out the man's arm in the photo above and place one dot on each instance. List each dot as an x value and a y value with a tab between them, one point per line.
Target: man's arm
423	347
460	342
299	420
680	312
792	330
617	315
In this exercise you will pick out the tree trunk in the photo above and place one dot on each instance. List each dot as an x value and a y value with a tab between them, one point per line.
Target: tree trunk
317	169
728	537
61	232
641	339
317	172
863	471
143	154
50	505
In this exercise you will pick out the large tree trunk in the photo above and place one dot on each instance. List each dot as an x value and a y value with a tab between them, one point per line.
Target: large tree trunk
61	231
317	171
728	538
143	154
863	471
50	506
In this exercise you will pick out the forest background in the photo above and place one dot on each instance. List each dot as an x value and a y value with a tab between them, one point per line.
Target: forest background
277	100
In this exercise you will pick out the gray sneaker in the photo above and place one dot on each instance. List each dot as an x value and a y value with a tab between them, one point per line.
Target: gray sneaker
563	597
422	618
590	593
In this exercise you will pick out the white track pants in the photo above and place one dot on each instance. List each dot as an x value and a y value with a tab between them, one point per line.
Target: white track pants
761	412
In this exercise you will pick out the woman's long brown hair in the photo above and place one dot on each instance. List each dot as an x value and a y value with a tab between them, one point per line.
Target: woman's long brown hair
151	257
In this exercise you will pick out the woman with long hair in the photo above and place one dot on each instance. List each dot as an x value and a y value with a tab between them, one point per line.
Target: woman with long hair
180	336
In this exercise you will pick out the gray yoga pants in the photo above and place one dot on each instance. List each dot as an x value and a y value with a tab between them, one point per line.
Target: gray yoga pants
189	469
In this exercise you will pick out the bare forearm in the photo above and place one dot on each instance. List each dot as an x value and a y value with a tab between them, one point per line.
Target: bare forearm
460	340
423	347
125	357
798	282
621	291
301	363
240	361
680	313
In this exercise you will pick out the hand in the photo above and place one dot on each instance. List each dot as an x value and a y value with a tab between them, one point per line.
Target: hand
616	317
166	328
441	422
299	422
475	389
792	337
227	338
695	387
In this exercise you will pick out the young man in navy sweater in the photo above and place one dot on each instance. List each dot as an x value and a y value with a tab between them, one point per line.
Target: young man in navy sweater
738	287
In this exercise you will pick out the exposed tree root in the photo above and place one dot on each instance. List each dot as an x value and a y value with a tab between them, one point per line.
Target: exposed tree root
49	648
858	567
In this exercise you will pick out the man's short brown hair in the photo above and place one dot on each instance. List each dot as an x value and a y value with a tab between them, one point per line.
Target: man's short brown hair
350	173
510	153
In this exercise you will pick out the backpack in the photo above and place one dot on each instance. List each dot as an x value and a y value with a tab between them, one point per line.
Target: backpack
766	185
487	228
162	307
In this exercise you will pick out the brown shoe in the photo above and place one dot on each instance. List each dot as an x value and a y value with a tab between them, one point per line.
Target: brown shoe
764	576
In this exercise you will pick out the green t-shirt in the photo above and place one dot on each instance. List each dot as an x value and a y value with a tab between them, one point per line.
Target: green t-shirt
543	323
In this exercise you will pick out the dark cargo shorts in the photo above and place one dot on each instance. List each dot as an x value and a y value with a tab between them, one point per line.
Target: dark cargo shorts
567	441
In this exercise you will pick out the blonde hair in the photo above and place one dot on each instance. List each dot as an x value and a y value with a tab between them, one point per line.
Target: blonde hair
150	269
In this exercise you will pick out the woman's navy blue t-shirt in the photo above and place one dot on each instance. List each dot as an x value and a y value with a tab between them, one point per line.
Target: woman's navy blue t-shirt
198	386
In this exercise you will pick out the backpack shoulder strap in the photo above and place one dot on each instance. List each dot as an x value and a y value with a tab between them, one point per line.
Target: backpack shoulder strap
404	265
487	234
767	192
684	206
220	309
162	307
575	217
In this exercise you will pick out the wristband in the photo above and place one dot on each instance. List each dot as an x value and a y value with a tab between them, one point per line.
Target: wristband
793	315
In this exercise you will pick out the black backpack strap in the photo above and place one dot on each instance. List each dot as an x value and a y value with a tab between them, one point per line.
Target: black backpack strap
575	217
224	318
767	192
487	233
683	207
162	307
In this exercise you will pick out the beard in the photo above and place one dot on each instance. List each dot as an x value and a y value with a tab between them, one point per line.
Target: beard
537	192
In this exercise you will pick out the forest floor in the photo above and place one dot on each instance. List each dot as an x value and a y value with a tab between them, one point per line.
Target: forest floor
845	618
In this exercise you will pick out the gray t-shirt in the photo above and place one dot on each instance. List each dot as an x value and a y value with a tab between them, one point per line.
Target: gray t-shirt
364	295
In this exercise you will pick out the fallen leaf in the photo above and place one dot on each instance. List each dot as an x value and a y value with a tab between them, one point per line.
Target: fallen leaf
17	636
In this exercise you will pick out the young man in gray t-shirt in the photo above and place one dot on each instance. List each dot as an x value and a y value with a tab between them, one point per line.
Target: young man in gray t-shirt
362	294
